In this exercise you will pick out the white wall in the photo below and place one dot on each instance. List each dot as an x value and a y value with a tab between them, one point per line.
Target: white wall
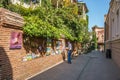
18	2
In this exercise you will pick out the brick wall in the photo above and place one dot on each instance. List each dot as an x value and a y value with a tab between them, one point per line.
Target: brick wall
10	58
20	70
11	64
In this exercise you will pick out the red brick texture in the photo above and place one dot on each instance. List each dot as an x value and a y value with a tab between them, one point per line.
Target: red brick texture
11	64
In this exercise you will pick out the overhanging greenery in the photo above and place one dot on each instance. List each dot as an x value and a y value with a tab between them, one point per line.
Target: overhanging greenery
47	21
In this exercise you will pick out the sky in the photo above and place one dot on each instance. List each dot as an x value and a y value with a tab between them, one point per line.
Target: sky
97	10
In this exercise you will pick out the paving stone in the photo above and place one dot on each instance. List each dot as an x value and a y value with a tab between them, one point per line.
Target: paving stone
92	66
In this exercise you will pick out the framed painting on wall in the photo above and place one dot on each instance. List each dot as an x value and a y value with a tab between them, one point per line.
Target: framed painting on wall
16	40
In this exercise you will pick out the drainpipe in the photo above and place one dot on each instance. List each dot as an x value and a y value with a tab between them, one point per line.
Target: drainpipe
104	36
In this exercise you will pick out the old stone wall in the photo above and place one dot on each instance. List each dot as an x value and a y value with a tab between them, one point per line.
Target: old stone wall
115	47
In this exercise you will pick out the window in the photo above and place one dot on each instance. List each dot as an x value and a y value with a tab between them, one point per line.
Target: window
117	13
113	29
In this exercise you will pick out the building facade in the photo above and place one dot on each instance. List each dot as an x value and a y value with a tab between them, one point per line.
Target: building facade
34	3
112	30
20	3
99	31
82	10
60	3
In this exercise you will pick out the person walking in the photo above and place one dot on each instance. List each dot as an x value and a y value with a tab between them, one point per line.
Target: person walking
69	52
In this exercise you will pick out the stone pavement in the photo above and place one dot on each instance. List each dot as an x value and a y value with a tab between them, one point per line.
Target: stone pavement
92	66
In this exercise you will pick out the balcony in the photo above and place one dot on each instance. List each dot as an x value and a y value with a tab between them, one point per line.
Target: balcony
82	16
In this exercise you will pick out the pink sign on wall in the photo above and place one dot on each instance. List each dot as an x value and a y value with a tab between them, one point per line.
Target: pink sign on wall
16	40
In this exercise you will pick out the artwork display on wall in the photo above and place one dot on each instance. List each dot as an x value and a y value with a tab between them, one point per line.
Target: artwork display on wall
16	40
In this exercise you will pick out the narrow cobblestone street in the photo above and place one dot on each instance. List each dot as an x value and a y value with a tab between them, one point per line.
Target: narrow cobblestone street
92	66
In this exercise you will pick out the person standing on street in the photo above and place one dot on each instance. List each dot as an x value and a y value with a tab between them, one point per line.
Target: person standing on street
69	52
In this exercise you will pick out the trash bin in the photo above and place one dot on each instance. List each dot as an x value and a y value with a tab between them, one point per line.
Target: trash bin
108	53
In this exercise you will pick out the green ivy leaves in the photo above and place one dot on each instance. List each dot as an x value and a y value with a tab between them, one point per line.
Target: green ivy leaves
49	22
